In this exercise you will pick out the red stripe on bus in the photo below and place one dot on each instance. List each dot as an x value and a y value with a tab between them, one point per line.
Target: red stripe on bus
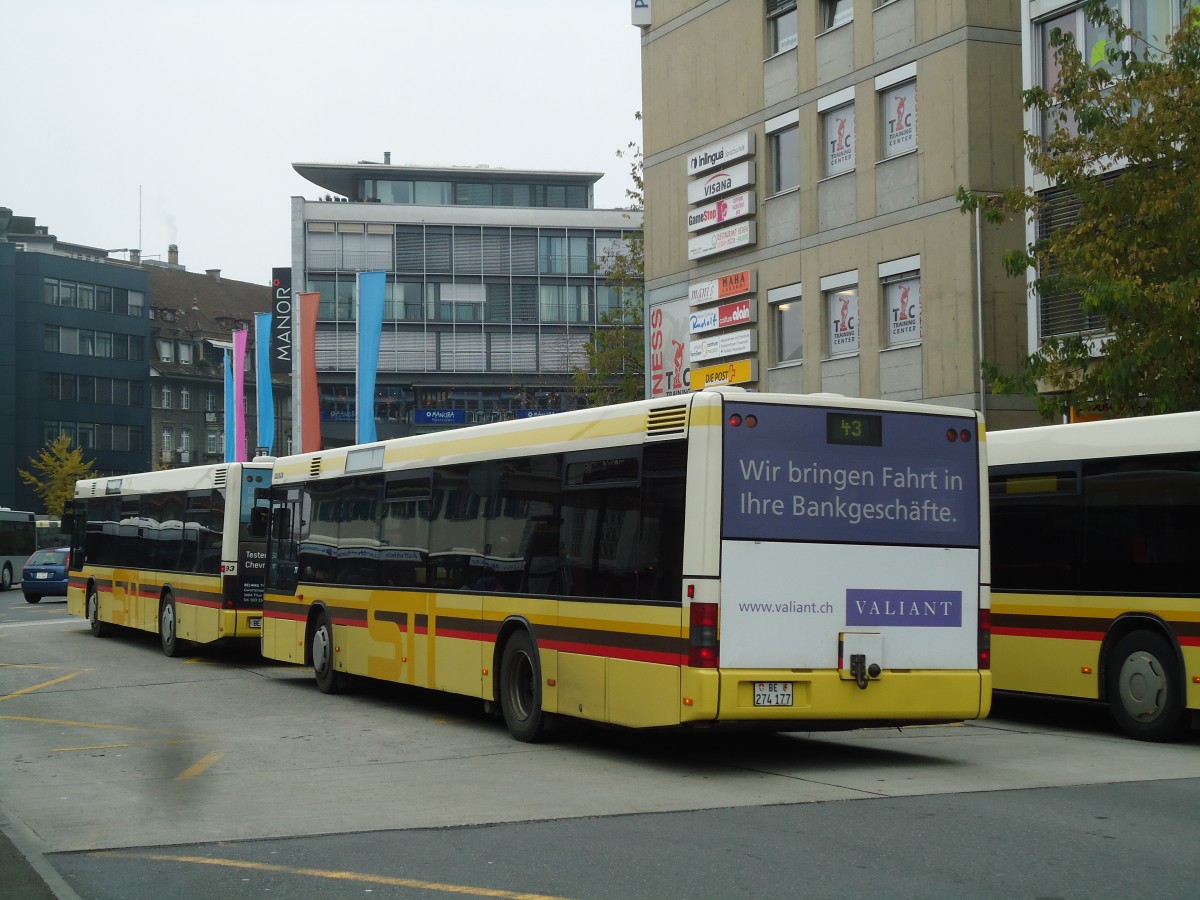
668	659
1049	633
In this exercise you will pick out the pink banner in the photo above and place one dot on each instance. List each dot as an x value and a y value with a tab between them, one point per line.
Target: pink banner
239	404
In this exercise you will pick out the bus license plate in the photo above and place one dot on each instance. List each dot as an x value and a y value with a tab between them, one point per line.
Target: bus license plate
256	622
772	693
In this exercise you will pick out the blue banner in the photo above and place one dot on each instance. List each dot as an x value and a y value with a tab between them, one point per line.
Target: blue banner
372	290
230	424
262	369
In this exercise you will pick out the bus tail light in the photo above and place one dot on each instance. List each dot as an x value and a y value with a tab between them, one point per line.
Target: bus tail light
229	590
985	639
703	650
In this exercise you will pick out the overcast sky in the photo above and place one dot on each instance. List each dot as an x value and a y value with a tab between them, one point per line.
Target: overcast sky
129	122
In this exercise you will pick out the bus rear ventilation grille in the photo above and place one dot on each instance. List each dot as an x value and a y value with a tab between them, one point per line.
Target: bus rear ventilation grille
220	476
668	420
314	468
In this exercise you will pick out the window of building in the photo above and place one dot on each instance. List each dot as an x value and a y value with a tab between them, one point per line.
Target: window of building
185	398
787	316
104	344
166	351
835	13
781	19
168	439
841	313
86	296
212	442
51	339
837	131
210	401
185	439
897	91
901	283
184	351
565	303
166	397
137	304
552	254
783	135
104	301
433	193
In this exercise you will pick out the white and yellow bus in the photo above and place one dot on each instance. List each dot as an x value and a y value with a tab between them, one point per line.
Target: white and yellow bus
799	562
1096	566
181	552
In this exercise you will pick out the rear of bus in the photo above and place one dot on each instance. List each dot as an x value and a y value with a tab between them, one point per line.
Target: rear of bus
851	589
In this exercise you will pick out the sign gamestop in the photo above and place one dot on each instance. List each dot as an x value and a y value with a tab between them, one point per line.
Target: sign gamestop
727	209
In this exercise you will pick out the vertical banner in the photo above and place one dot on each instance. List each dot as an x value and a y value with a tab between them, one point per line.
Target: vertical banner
372	288
239	396
310	401
262	371
228	404
281	330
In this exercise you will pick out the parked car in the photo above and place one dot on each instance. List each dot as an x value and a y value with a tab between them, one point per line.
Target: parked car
45	574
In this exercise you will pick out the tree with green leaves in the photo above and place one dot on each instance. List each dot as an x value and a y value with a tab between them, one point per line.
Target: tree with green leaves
1120	139
616	353
58	466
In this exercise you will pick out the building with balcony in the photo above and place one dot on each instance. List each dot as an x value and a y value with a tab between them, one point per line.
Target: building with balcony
801	167
493	288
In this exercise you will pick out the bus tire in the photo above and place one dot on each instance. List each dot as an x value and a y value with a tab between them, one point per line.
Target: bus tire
168	625
6	578
99	629
521	688
329	679
1144	690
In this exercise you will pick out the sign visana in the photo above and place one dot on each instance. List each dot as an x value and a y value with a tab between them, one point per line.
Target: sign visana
720	182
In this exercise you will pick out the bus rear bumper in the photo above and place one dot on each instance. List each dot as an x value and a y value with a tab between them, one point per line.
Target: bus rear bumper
895	697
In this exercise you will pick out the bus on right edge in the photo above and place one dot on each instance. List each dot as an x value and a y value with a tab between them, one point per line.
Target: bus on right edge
1096	567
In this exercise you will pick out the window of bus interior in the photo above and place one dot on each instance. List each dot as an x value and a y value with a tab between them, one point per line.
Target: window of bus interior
360	501
100	531
203	527
1036	527
160	530
1142	521
404	529
283	549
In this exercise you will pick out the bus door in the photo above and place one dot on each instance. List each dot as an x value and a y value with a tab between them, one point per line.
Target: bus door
850	541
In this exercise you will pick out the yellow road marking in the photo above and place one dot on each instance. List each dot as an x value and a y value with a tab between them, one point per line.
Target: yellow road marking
44	684
25	666
69	722
200	766
337	875
94	747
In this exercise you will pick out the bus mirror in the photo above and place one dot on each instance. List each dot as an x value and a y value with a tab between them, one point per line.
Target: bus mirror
258	522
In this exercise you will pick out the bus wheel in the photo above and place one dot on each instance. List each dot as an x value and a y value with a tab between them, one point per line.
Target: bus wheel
329	679
166	626
99	629
521	688
1143	688
6	578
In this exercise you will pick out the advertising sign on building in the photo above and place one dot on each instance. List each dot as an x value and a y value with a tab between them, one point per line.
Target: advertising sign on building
282	330
639	12
742	312
843	322
732	285
727	209
739	371
742	234
667	338
839	140
732	343
900	119
439	417
904	312
722	181
722	152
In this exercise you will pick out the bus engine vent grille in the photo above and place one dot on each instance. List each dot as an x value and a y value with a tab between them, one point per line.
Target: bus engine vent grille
667	420
220	476
314	467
